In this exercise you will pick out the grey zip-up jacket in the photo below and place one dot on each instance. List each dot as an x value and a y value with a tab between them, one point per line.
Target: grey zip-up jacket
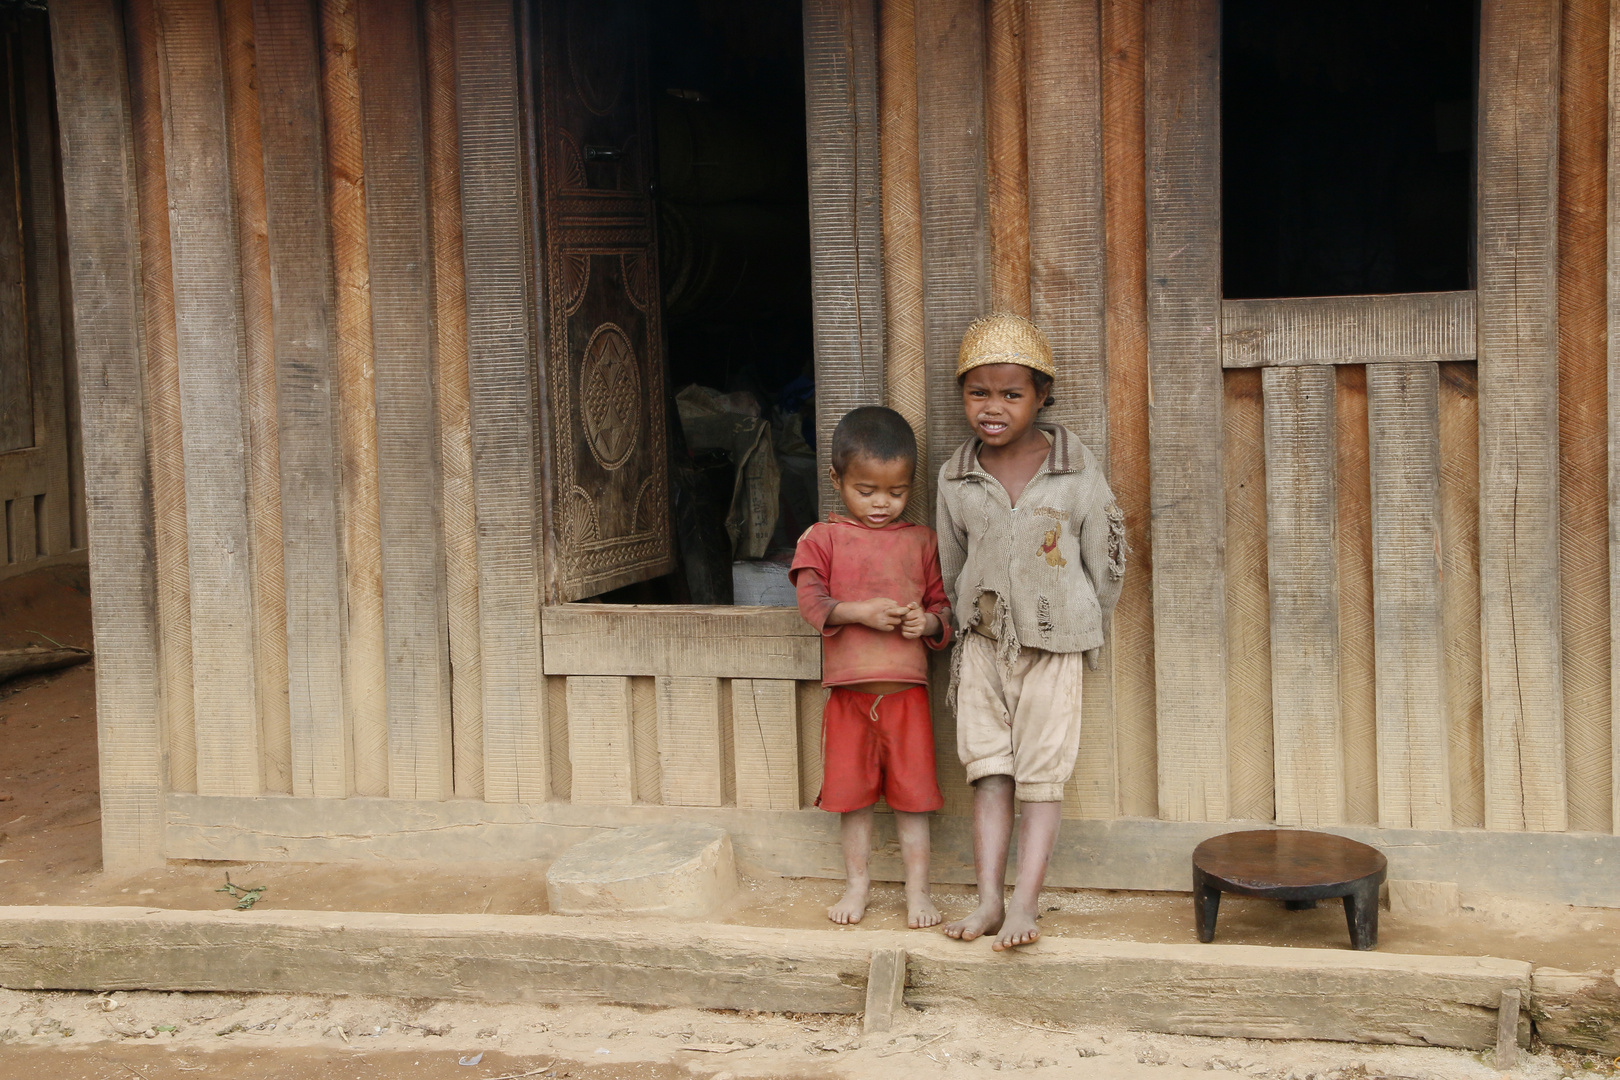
1055	562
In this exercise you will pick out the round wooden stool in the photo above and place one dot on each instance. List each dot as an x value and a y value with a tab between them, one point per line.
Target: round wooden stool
1294	866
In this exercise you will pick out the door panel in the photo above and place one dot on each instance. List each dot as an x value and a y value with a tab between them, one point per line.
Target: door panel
603	368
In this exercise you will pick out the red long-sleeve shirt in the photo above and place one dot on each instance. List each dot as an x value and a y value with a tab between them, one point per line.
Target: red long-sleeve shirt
842	560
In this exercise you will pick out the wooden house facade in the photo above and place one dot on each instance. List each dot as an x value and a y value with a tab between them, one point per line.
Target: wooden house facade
367	323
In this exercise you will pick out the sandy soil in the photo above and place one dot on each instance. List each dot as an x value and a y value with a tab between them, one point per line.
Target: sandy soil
73	1036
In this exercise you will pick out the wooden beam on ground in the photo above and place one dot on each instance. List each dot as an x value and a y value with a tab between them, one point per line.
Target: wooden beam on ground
1403	424
765	733
689	754
304	297
1400	328
601	740
504	404
1576	1008
1301	510
104	260
846	214
208	320
1525	784
1067	288
721	642
399	243
1183	302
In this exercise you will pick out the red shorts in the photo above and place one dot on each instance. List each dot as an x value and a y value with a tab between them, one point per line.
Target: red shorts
878	745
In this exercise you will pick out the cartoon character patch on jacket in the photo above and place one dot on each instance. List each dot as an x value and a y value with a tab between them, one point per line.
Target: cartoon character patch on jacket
1049	548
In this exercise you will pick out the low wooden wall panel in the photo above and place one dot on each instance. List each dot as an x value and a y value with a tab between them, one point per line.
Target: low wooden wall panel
722	642
1397	328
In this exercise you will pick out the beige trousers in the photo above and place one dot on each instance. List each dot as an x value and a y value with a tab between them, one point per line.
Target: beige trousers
1024	723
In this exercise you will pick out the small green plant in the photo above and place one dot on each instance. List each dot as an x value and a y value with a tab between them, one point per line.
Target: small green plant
245	898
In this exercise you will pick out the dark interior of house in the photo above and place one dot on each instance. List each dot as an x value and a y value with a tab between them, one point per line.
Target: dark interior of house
1347	139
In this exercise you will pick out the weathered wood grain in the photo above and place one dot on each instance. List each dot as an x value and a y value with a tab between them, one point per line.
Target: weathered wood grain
954	208
689	740
399	246
1390	329
102	219
1459	628
1612	296
644	749
1403	430
846	213
812	703
1521	631
210	347
1008	148
456	494
554	700
503	399
765	730
303	312
1358	684
1249	744
1183	304
259	390
904	378
1124	165
1065	281
365	696
601	740
724	642
1301	507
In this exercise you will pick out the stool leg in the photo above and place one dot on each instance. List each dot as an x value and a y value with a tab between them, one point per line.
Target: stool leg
1206	906
1361	915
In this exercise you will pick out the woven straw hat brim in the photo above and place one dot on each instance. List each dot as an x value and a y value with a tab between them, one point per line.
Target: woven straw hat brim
1005	338
984	359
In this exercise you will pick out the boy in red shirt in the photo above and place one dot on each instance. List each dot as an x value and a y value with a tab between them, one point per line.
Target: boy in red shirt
870	583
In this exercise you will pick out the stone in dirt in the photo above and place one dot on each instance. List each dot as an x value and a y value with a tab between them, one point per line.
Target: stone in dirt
679	871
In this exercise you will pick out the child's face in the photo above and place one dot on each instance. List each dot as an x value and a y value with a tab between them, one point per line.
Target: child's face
874	492
1001	402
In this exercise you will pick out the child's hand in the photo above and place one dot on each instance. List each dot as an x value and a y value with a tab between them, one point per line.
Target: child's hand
918	623
880	613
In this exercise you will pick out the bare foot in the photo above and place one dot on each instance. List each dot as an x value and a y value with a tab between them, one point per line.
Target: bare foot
986	919
1018	929
921	912
851	907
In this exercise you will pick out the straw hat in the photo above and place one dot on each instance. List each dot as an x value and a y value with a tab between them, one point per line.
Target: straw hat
1005	338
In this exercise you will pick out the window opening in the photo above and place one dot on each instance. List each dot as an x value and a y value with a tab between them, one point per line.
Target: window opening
1347	146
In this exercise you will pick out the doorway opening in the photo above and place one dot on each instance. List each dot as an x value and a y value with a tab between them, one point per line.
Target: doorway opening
1347	146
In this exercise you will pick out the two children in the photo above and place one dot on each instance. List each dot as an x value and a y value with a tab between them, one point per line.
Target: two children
1030	558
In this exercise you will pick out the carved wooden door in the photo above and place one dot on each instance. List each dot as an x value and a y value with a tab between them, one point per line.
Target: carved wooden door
607	482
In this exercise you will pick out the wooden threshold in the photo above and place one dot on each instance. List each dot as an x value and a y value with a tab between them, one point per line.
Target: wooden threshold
1397	328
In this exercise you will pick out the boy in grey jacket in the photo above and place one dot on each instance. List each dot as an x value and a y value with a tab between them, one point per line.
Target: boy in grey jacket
1032	549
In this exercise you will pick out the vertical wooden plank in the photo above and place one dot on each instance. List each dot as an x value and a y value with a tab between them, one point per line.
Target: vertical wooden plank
554	695
1007	153
1125	330
211	350
401	260
1583	564
689	740
846	213
1459	629
1358	684
766	743
1183	272
104	258
1403	433
263	458
649	787
503	400
455	431
304	308
600	740
1518	415
1612	296
1250	754
161	386
365	699
812	702
1066	284
905	382
1301	506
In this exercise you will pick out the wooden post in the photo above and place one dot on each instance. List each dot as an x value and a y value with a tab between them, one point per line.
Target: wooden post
885	990
104	260
846	213
1518	415
304	299
503	400
208	319
1507	1030
1183	273
1612	294
401	259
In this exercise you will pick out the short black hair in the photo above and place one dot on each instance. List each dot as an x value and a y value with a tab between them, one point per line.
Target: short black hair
875	432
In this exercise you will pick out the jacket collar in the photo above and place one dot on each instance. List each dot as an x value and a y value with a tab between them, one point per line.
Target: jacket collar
1062	459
